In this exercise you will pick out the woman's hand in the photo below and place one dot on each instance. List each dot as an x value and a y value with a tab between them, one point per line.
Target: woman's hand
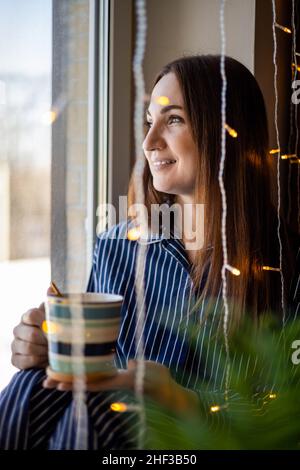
158	385
30	346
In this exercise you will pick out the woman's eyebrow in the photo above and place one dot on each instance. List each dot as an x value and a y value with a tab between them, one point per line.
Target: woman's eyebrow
165	109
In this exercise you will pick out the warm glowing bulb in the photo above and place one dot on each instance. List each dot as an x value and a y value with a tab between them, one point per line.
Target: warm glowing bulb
236	271
287	156
270	268
134	234
215	408
233	270
271	152
296	66
163	100
119	407
283	28
49	117
233	133
295	160
272	396
49	327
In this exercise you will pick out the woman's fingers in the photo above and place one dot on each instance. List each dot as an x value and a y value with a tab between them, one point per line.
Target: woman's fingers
31	334
30	346
50	383
28	349
34	316
64	387
27	362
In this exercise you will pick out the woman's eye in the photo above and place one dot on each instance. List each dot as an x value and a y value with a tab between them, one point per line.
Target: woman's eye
179	119
171	119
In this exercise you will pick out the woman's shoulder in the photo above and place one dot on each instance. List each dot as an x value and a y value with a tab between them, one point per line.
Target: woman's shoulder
116	232
113	241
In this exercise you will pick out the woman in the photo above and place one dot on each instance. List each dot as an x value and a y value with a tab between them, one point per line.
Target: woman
182	287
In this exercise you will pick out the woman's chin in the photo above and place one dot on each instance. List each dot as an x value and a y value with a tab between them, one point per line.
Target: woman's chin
163	188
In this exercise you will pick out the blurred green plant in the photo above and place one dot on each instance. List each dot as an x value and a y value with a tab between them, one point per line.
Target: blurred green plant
262	409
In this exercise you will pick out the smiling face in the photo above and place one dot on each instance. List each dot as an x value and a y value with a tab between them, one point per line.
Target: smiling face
169	138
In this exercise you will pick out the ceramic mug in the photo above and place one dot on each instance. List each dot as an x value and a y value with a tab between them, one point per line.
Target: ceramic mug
82	332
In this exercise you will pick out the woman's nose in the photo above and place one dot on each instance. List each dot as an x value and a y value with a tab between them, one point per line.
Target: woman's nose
153	140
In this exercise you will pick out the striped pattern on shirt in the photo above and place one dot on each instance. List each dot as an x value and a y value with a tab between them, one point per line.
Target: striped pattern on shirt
33	417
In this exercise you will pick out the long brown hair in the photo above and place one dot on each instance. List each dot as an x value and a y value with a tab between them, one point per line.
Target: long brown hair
251	218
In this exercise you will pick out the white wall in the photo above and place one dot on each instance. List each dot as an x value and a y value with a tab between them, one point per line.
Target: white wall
177	27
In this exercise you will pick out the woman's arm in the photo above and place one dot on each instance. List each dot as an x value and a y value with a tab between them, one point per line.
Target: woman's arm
158	386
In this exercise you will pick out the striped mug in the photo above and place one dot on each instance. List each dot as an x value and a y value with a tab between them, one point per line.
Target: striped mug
82	332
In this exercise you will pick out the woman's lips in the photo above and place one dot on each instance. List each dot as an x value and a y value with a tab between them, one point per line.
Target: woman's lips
163	167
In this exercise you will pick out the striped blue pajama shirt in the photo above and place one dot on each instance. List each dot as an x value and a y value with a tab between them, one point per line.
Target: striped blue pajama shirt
32	417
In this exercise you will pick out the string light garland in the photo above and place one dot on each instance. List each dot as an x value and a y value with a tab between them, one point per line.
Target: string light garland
79	383
278	160
293	116
141	28
297	69
223	193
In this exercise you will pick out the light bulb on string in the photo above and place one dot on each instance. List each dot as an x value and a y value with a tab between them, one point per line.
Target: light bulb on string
270	268
232	132
234	271
215	408
134	234
283	28
50	327
274	151
121	407
287	156
296	66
